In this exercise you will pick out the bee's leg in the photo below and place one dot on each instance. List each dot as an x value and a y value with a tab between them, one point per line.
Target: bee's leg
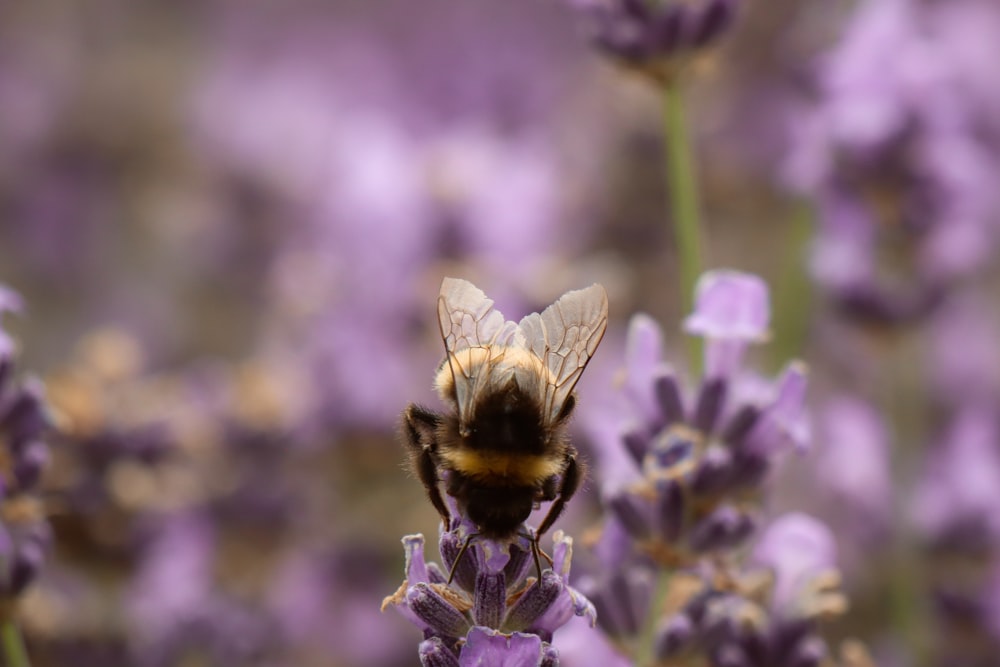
570	483
537	551
461	552
421	437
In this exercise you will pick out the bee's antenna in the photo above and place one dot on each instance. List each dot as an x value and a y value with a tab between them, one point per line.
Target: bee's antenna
461	552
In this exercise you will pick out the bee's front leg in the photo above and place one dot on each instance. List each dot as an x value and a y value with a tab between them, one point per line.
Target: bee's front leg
420	429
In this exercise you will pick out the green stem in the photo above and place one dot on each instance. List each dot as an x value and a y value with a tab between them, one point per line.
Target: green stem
15	655
685	211
907	403
793	293
646	653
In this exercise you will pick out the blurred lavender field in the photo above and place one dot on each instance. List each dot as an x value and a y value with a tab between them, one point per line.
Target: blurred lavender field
223	228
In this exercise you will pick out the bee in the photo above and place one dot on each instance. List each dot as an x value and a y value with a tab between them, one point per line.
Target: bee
501	449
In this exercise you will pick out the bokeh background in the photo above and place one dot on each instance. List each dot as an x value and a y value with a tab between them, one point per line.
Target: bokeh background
229	221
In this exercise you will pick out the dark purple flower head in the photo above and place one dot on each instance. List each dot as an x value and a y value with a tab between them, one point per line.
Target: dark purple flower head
655	36
701	458
493	610
25	535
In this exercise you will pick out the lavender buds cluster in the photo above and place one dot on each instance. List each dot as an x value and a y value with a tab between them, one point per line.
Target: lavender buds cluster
493	612
702	458
672	585
654	37
25	535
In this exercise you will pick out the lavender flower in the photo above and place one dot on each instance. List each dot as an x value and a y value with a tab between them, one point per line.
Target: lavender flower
893	157
701	459
654	37
493	613
761	618
25	535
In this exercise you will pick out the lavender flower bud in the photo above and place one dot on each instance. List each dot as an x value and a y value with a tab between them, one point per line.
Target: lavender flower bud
637	444
711	400
632	512
534	602
668	397
810	652
673	636
725	528
433	653
440	616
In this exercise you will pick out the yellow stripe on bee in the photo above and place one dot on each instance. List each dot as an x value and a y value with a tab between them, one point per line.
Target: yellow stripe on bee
501	468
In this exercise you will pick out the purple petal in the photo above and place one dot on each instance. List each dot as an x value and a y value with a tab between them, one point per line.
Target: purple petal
785	421
730	305
534	602
435	612
643	362
796	547
488	648
416	566
562	554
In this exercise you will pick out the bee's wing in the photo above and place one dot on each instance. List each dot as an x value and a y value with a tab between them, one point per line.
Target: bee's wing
564	336
469	323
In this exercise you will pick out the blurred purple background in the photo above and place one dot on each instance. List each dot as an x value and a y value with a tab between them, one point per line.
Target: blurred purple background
229	222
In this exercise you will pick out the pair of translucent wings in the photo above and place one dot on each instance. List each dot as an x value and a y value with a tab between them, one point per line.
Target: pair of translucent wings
563	338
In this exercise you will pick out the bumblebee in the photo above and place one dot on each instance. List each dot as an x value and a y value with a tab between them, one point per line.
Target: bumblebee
501	449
